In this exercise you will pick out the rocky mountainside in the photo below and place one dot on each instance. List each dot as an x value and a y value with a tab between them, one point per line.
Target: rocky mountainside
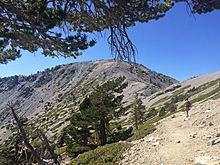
199	88
60	89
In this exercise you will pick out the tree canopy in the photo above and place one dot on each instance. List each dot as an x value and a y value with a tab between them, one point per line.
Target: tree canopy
91	126
137	111
62	28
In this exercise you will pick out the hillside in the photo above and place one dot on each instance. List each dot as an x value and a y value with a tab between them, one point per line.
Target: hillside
178	140
170	138
55	92
197	89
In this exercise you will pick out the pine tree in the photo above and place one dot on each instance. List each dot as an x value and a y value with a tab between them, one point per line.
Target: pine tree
138	111
99	107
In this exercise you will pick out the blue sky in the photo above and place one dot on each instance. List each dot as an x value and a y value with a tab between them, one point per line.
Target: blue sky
179	45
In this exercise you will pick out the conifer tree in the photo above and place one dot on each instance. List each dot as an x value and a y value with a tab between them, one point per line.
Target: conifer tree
62	28
99	107
138	111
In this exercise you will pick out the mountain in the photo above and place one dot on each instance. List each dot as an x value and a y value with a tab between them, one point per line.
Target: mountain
164	136
58	91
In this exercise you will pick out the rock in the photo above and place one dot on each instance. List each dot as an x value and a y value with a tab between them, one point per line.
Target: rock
201	126
156	143
217	141
206	160
202	160
186	119
203	122
218	134
209	137
208	110
154	140
150	139
174	116
193	135
210	124
213	141
179	141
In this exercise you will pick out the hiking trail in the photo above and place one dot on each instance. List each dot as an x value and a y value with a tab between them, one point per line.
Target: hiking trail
181	141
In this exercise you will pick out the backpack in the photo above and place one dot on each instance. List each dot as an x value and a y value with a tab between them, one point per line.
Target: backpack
188	104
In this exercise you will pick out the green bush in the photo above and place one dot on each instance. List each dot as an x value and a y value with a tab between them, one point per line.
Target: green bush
109	154
177	92
152	113
162	112
75	149
170	107
174	99
205	96
216	96
120	134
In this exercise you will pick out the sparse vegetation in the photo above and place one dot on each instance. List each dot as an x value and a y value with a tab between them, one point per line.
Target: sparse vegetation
205	96
181	90
162	112
161	100
194	91
216	96
152	112
147	128
109	154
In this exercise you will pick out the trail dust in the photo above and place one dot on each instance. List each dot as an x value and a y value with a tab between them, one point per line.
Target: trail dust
181	141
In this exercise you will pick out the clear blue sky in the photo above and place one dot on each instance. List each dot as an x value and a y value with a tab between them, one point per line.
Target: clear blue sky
179	45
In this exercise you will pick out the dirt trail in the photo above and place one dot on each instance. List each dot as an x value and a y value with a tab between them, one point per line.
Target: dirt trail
181	141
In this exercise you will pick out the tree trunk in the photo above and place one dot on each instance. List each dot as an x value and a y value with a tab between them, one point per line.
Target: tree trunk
136	118
24	136
102	132
45	141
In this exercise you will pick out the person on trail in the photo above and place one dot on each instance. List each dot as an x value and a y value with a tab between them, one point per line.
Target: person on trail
187	105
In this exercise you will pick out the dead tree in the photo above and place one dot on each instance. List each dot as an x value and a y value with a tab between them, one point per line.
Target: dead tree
45	141
24	136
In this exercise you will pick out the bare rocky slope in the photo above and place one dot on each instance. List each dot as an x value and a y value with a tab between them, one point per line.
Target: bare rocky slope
60	89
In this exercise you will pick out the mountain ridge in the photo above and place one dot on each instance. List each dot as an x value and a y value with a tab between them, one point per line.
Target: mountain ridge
60	85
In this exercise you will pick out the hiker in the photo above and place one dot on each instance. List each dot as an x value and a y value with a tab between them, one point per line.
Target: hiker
187	105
